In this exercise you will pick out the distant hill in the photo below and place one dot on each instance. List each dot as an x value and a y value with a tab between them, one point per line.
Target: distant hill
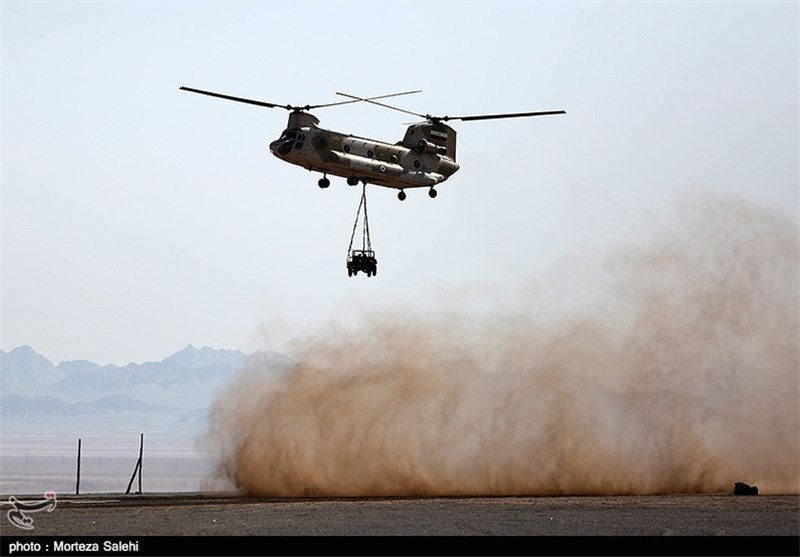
177	390
23	369
23	407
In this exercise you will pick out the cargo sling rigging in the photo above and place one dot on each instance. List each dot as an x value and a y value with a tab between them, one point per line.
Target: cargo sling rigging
363	259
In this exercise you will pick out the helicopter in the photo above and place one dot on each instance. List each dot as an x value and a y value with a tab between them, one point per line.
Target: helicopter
424	158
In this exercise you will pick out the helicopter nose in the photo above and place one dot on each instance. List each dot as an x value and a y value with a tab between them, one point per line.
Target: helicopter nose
281	147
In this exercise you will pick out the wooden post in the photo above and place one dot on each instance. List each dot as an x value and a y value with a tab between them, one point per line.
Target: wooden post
78	474
137	468
141	449
130	483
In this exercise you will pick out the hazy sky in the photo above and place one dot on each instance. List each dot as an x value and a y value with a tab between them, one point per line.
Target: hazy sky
137	218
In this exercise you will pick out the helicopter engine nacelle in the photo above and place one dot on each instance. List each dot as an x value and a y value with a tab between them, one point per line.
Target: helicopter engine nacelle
426	147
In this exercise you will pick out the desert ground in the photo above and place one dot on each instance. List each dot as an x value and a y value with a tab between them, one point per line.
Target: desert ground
735	525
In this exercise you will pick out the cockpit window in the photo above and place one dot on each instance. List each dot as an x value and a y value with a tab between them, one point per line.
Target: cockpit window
288	134
290	139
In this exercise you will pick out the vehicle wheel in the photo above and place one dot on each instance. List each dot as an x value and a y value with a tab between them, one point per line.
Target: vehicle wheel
401	195
433	193
352	181
324	183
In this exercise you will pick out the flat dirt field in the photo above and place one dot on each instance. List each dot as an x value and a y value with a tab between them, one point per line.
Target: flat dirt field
769	525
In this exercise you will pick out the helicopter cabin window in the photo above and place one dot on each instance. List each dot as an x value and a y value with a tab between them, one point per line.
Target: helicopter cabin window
346	148
300	139
370	154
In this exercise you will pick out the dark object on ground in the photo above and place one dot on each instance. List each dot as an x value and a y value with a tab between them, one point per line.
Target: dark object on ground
740	488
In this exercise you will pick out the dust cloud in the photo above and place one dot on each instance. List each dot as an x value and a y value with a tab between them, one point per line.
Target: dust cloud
684	380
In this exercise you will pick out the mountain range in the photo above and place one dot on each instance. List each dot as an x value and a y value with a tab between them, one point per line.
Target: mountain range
174	392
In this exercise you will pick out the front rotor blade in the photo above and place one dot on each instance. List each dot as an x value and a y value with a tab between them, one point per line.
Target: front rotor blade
498	116
237	99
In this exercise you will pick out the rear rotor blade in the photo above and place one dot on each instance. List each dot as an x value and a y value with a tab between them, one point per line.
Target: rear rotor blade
372	101
446	118
359	99
498	116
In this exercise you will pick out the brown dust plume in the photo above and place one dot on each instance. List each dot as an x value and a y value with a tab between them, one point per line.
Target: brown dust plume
684	380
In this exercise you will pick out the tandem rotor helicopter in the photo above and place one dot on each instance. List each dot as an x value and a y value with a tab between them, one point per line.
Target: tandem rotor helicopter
424	158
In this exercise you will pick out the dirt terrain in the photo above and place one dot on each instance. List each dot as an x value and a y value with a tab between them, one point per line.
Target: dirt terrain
218	514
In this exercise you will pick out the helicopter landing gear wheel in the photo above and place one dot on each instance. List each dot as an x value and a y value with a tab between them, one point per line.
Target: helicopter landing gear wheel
324	182
433	193
352	181
401	195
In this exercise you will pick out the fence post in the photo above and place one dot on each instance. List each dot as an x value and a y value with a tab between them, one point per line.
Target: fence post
141	449
137	468
78	473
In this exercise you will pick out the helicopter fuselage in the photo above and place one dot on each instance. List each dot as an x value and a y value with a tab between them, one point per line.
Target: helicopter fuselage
425	157
421	159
